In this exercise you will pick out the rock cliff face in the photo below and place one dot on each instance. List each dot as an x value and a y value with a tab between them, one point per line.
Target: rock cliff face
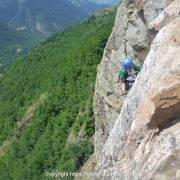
140	138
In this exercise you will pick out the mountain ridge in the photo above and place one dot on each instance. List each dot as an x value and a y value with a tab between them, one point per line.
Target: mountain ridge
44	17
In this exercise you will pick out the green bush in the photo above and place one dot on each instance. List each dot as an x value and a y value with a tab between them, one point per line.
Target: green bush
74	156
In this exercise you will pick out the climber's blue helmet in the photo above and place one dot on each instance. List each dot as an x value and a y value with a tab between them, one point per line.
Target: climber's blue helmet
127	63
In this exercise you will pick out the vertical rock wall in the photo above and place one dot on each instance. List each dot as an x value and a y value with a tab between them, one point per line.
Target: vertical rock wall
129	37
141	139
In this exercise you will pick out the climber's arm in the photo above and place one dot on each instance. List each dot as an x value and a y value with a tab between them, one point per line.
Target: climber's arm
122	78
138	67
123	86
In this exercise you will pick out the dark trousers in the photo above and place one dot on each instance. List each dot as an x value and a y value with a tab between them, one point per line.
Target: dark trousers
128	85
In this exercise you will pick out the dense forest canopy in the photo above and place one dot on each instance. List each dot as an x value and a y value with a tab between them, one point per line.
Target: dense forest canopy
11	40
47	96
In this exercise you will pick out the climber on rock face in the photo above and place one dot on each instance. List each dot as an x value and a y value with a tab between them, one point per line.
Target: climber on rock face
128	74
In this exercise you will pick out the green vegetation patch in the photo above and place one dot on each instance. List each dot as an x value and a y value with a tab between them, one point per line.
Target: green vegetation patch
64	67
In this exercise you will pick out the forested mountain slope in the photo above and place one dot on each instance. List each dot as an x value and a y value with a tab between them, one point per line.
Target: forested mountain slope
45	16
46	111
25	23
8	35
11	40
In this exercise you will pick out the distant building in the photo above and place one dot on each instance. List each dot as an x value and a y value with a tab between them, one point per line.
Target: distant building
21	28
18	51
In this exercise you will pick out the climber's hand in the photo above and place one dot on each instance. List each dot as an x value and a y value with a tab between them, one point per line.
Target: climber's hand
123	93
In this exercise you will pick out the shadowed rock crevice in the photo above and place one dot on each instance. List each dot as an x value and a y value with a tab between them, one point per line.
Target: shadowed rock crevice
170	123
167	107
141	15
152	34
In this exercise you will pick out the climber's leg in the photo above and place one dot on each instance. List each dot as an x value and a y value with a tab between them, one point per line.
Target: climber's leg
127	87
